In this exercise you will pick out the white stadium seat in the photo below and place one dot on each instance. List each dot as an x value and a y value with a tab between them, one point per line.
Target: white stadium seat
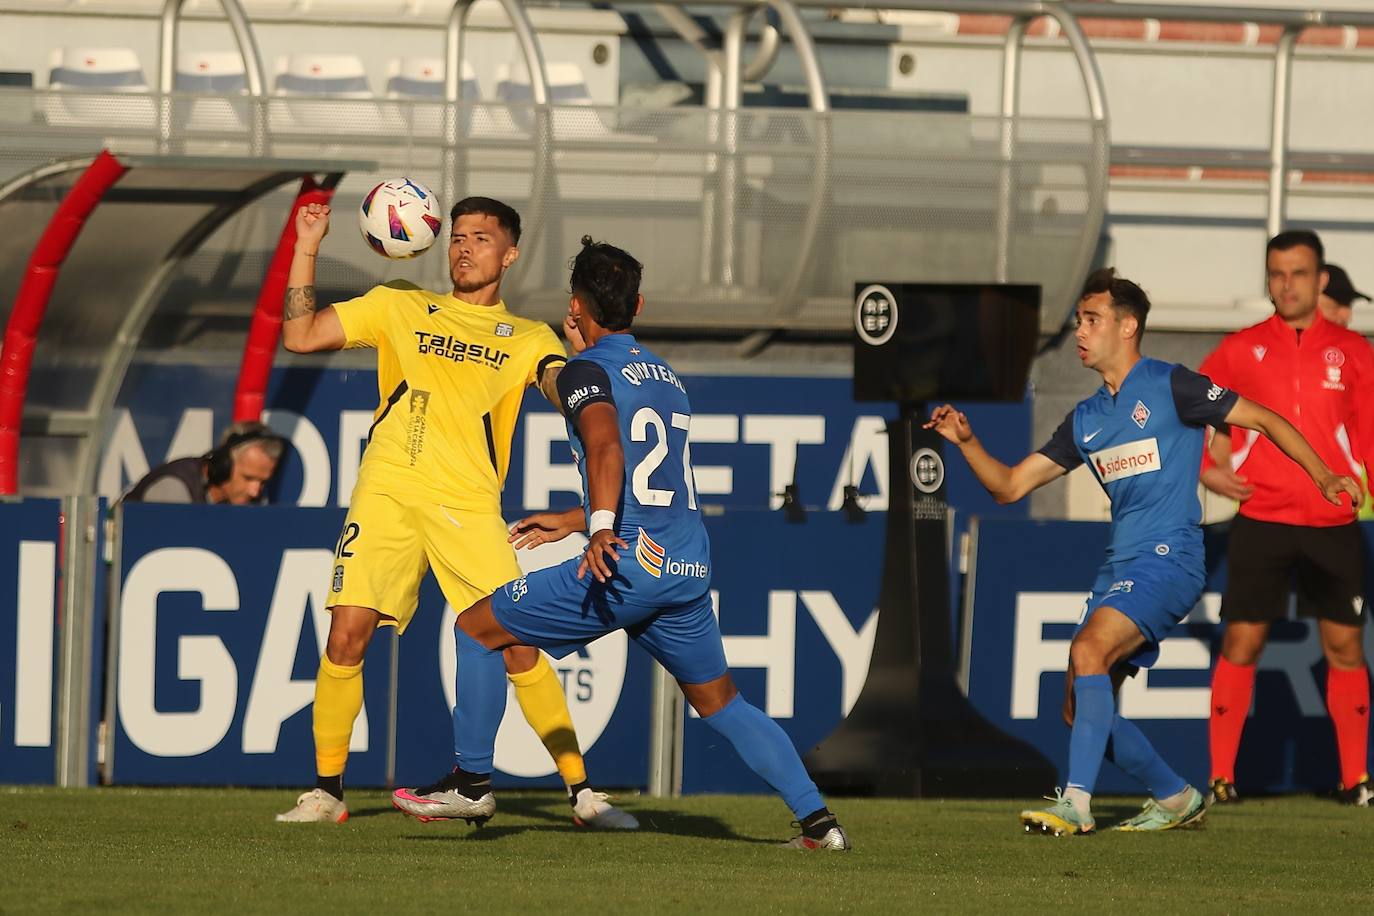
84	70
567	88
315	80
216	73
420	80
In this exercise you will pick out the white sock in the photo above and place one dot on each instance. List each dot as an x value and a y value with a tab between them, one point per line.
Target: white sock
1178	802
1082	800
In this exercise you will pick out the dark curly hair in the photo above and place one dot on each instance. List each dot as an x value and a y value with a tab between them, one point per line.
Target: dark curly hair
606	279
504	214
1127	297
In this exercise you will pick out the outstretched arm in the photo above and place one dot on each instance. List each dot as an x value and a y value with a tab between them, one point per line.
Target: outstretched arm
547	527
303	328
1291	442
1006	484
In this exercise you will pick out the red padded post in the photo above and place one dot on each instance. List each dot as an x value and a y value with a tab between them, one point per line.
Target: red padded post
263	334
21	333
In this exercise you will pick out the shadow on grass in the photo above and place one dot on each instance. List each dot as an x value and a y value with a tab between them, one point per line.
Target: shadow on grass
556	818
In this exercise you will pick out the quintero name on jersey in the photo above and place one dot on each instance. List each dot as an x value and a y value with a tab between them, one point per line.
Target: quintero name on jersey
450	347
638	373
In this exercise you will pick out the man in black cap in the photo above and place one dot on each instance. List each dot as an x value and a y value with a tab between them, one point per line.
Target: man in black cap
1340	294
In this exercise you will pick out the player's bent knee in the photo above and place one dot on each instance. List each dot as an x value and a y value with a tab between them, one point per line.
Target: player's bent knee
711	697
1243	645
479	622
520	659
1088	656
350	633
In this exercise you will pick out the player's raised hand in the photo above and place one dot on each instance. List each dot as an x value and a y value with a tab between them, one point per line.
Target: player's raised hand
1226	482
1334	485
541	528
602	545
574	335
949	423
312	223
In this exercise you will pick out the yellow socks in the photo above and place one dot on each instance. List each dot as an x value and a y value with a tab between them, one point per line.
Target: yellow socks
338	700
541	699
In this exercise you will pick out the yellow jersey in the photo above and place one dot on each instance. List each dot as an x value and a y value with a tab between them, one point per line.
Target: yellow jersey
451	376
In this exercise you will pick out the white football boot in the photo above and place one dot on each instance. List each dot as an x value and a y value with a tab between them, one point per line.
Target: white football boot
594	809
316	807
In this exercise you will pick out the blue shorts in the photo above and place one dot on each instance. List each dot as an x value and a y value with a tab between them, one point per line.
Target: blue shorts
1155	592
555	611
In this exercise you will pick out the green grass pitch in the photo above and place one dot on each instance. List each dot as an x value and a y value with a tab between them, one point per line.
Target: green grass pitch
214	850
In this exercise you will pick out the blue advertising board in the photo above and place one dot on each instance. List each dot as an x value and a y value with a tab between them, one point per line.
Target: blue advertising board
222	622
221	625
28	639
751	436
220	629
797	605
1031	583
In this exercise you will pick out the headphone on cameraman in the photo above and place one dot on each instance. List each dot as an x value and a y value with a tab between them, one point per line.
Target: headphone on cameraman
219	461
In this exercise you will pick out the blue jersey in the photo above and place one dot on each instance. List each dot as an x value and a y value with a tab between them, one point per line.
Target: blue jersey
658	515
1144	445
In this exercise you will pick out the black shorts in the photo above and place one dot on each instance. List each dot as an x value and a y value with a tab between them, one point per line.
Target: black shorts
1267	561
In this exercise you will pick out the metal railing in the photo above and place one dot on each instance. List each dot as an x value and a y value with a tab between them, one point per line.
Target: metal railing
1294	22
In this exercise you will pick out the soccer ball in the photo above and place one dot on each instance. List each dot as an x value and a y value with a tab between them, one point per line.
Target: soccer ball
400	218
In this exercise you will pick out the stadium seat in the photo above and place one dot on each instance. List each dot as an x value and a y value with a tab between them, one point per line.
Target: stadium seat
317	83
567	88
423	78
420	81
212	73
91	75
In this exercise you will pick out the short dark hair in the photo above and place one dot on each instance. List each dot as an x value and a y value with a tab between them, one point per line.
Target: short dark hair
1293	238
504	214
1126	296
606	279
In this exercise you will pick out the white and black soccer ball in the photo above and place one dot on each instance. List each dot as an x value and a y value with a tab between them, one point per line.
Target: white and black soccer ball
400	218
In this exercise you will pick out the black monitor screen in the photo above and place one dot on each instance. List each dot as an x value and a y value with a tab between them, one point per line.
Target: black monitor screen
944	341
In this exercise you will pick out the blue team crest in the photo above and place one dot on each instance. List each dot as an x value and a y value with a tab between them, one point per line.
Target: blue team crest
1141	414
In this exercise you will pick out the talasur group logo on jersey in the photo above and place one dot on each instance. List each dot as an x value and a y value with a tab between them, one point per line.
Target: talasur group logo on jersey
1138	457
448	346
656	561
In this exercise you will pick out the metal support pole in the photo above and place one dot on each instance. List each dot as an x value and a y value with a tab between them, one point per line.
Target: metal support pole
1278	133
732	94
74	655
667	716
1006	178
252	70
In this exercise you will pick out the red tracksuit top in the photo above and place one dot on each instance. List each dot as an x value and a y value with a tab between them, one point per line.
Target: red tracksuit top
1320	381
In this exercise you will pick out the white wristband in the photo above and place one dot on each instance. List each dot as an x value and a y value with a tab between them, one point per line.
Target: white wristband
602	520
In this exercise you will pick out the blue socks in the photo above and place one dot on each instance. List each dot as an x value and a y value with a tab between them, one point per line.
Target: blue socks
1094	711
765	747
1133	752
481	702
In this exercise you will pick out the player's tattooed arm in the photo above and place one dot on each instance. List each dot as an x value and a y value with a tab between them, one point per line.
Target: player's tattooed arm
305	329
548	382
300	301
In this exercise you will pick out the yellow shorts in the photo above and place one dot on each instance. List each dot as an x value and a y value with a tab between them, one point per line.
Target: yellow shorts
388	543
